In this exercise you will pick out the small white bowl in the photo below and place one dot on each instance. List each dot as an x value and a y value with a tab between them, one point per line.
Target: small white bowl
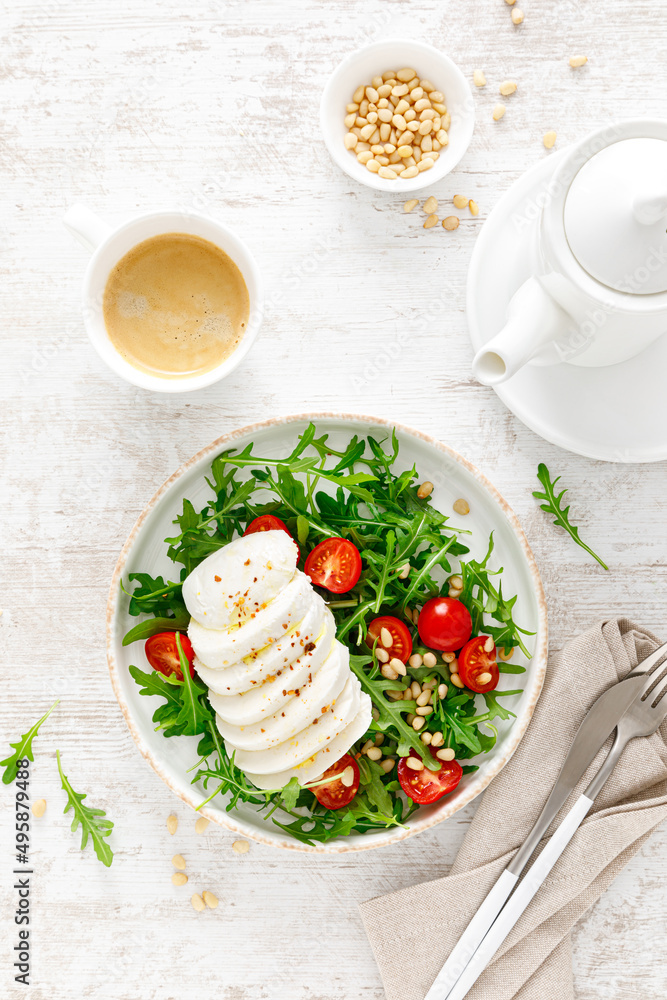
359	68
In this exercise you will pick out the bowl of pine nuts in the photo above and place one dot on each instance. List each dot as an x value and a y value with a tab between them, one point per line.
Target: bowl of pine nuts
397	115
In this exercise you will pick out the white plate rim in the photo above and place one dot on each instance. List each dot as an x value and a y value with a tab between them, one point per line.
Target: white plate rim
538	661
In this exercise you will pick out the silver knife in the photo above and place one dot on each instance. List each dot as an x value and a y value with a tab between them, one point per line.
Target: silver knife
598	724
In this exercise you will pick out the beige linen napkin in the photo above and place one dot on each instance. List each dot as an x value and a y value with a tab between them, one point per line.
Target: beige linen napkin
535	961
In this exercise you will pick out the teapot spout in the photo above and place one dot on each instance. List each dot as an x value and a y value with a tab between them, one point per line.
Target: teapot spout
534	322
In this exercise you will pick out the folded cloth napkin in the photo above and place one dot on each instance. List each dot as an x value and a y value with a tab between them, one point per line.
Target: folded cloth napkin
534	963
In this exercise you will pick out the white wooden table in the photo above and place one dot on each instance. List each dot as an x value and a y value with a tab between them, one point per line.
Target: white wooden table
131	106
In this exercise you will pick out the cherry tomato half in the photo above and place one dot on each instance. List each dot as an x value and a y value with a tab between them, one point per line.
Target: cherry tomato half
335	795
444	623
428	786
475	661
401	645
334	564
268	522
162	653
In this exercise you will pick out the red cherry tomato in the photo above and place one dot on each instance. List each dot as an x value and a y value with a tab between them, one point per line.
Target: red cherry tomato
335	795
162	653
474	661
401	645
334	564
428	786
444	623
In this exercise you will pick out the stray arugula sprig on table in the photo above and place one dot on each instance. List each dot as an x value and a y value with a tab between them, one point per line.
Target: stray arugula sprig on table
554	505
93	821
23	748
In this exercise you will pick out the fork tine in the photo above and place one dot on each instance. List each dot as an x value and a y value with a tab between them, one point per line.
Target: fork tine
647	665
655	696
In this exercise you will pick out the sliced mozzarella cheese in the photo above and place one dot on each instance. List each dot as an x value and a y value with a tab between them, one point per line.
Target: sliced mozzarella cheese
240	579
315	766
263	700
308	741
218	648
273	659
306	707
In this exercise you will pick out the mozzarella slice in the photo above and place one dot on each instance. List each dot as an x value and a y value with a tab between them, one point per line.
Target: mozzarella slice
315	766
306	707
308	741
231	585
219	648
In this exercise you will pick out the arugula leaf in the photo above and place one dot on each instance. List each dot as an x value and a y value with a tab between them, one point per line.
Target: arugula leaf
94	823
186	711
23	748
554	506
290	793
495	709
151	626
371	775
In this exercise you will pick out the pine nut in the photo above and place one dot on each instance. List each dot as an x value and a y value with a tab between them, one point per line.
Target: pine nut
484	678
430	222
418	722
427	86
426	738
367	131
373	166
241	846
372	95
478	78
498	112
350	120
210	900
429	684
442	690
352	107
389	146
506	654
404	151
39	808
390	74
407	694
415	661
178	861
372	117
377	81
424	699
402	107
179	878
387	764
407	74
438	739
456	581
446	754
382	654
400	90
549	140
415	689
425	128
201	824
375	753
507	87
367	745
386	638
365	156
517	16
398	666
394	695
415	764
450	223
358	95
384	90
386	172
388	672
510	2
431	205
413	127
379	739
461	506
410	718
456	681
577	61
489	644
422	104
426	487
474	207
424	710
385	115
454	592
430	660
448	657
460	201
377	148
405	572
198	903
350	140
375	713
410	205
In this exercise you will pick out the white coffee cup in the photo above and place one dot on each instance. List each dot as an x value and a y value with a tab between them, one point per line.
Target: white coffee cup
109	245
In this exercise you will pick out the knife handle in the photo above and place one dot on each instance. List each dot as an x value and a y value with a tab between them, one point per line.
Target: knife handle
472	936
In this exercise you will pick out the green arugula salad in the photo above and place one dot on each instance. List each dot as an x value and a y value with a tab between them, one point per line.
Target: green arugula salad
429	629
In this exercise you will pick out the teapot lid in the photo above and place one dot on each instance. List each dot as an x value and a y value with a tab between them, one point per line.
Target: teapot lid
615	216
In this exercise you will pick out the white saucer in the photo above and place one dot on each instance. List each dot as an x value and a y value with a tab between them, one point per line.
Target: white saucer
617	414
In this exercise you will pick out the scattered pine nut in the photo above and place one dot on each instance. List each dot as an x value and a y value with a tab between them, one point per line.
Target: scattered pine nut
415	764
517	16
484	678
388	672
409	205
198	903
172	824
456	581
405	572
450	223
489	644
375	713
426	738
506	654
431	205
387	764
461	506
474	207
449	657
398	666
431	221
509	2
39	808
423	711
381	654
577	61
367	745
241	846
445	754
424	699
178	861
347	777
201	824
415	689
210	900
418	722
456	681
415	661
442	690
478	78
549	140
375	753
379	739
454	592
507	87
430	660
426	487
460	201
179	878
437	740
498	112
386	638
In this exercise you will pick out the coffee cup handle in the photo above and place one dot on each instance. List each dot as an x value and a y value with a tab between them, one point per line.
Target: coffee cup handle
85	226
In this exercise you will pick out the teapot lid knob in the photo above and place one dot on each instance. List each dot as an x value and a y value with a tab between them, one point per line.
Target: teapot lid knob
615	216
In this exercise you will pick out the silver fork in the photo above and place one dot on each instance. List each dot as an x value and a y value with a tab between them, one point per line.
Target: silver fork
642	718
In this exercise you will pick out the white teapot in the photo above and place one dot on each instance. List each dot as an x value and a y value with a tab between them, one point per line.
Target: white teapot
598	294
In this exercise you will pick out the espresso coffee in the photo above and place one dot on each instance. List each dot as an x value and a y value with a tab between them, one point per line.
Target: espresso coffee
175	306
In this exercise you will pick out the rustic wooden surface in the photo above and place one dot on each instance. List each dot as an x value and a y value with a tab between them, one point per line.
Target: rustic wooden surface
134	106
